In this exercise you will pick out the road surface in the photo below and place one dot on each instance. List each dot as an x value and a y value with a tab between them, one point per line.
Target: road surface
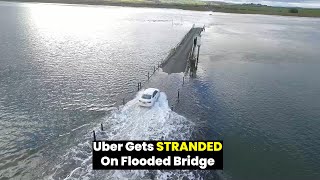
178	61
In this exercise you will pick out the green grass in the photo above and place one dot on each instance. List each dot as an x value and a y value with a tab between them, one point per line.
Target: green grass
256	9
187	2
221	7
167	2
197	5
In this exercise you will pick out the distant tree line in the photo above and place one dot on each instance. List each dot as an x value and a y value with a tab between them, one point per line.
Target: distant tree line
293	10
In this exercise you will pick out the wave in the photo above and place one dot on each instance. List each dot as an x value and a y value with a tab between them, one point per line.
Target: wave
129	122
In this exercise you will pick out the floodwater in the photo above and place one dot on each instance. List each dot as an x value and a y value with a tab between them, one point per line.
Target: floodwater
64	69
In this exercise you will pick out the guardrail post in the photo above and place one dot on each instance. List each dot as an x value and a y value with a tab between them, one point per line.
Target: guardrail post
94	136
178	94
154	69
101	127
172	107
198	54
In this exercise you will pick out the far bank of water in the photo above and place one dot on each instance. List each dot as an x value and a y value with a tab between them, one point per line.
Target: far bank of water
61	75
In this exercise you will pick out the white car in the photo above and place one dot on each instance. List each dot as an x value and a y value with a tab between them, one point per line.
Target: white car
149	97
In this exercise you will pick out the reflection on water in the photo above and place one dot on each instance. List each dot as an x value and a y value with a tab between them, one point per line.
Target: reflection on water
261	75
257	88
65	68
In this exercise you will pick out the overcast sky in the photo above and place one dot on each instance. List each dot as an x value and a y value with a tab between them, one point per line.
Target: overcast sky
294	3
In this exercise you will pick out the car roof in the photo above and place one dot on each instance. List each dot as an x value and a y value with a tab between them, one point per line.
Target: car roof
150	91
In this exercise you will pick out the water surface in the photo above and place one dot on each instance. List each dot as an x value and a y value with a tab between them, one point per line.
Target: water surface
64	69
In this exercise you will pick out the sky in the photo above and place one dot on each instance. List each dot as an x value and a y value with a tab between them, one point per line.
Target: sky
290	3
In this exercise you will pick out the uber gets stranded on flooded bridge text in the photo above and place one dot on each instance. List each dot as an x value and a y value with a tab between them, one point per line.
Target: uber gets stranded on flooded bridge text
157	155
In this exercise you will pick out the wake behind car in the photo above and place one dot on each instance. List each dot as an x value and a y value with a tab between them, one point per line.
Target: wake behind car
149	97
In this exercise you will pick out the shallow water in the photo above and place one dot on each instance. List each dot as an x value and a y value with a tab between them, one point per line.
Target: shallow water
65	69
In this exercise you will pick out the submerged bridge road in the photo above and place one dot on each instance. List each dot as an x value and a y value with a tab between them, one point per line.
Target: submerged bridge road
177	61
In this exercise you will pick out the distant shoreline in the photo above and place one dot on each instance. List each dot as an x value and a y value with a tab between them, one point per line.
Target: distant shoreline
226	8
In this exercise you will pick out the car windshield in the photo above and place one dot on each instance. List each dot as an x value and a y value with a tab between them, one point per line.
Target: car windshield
146	96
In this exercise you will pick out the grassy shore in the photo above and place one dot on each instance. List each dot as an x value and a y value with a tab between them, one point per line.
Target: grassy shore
260	9
197	5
